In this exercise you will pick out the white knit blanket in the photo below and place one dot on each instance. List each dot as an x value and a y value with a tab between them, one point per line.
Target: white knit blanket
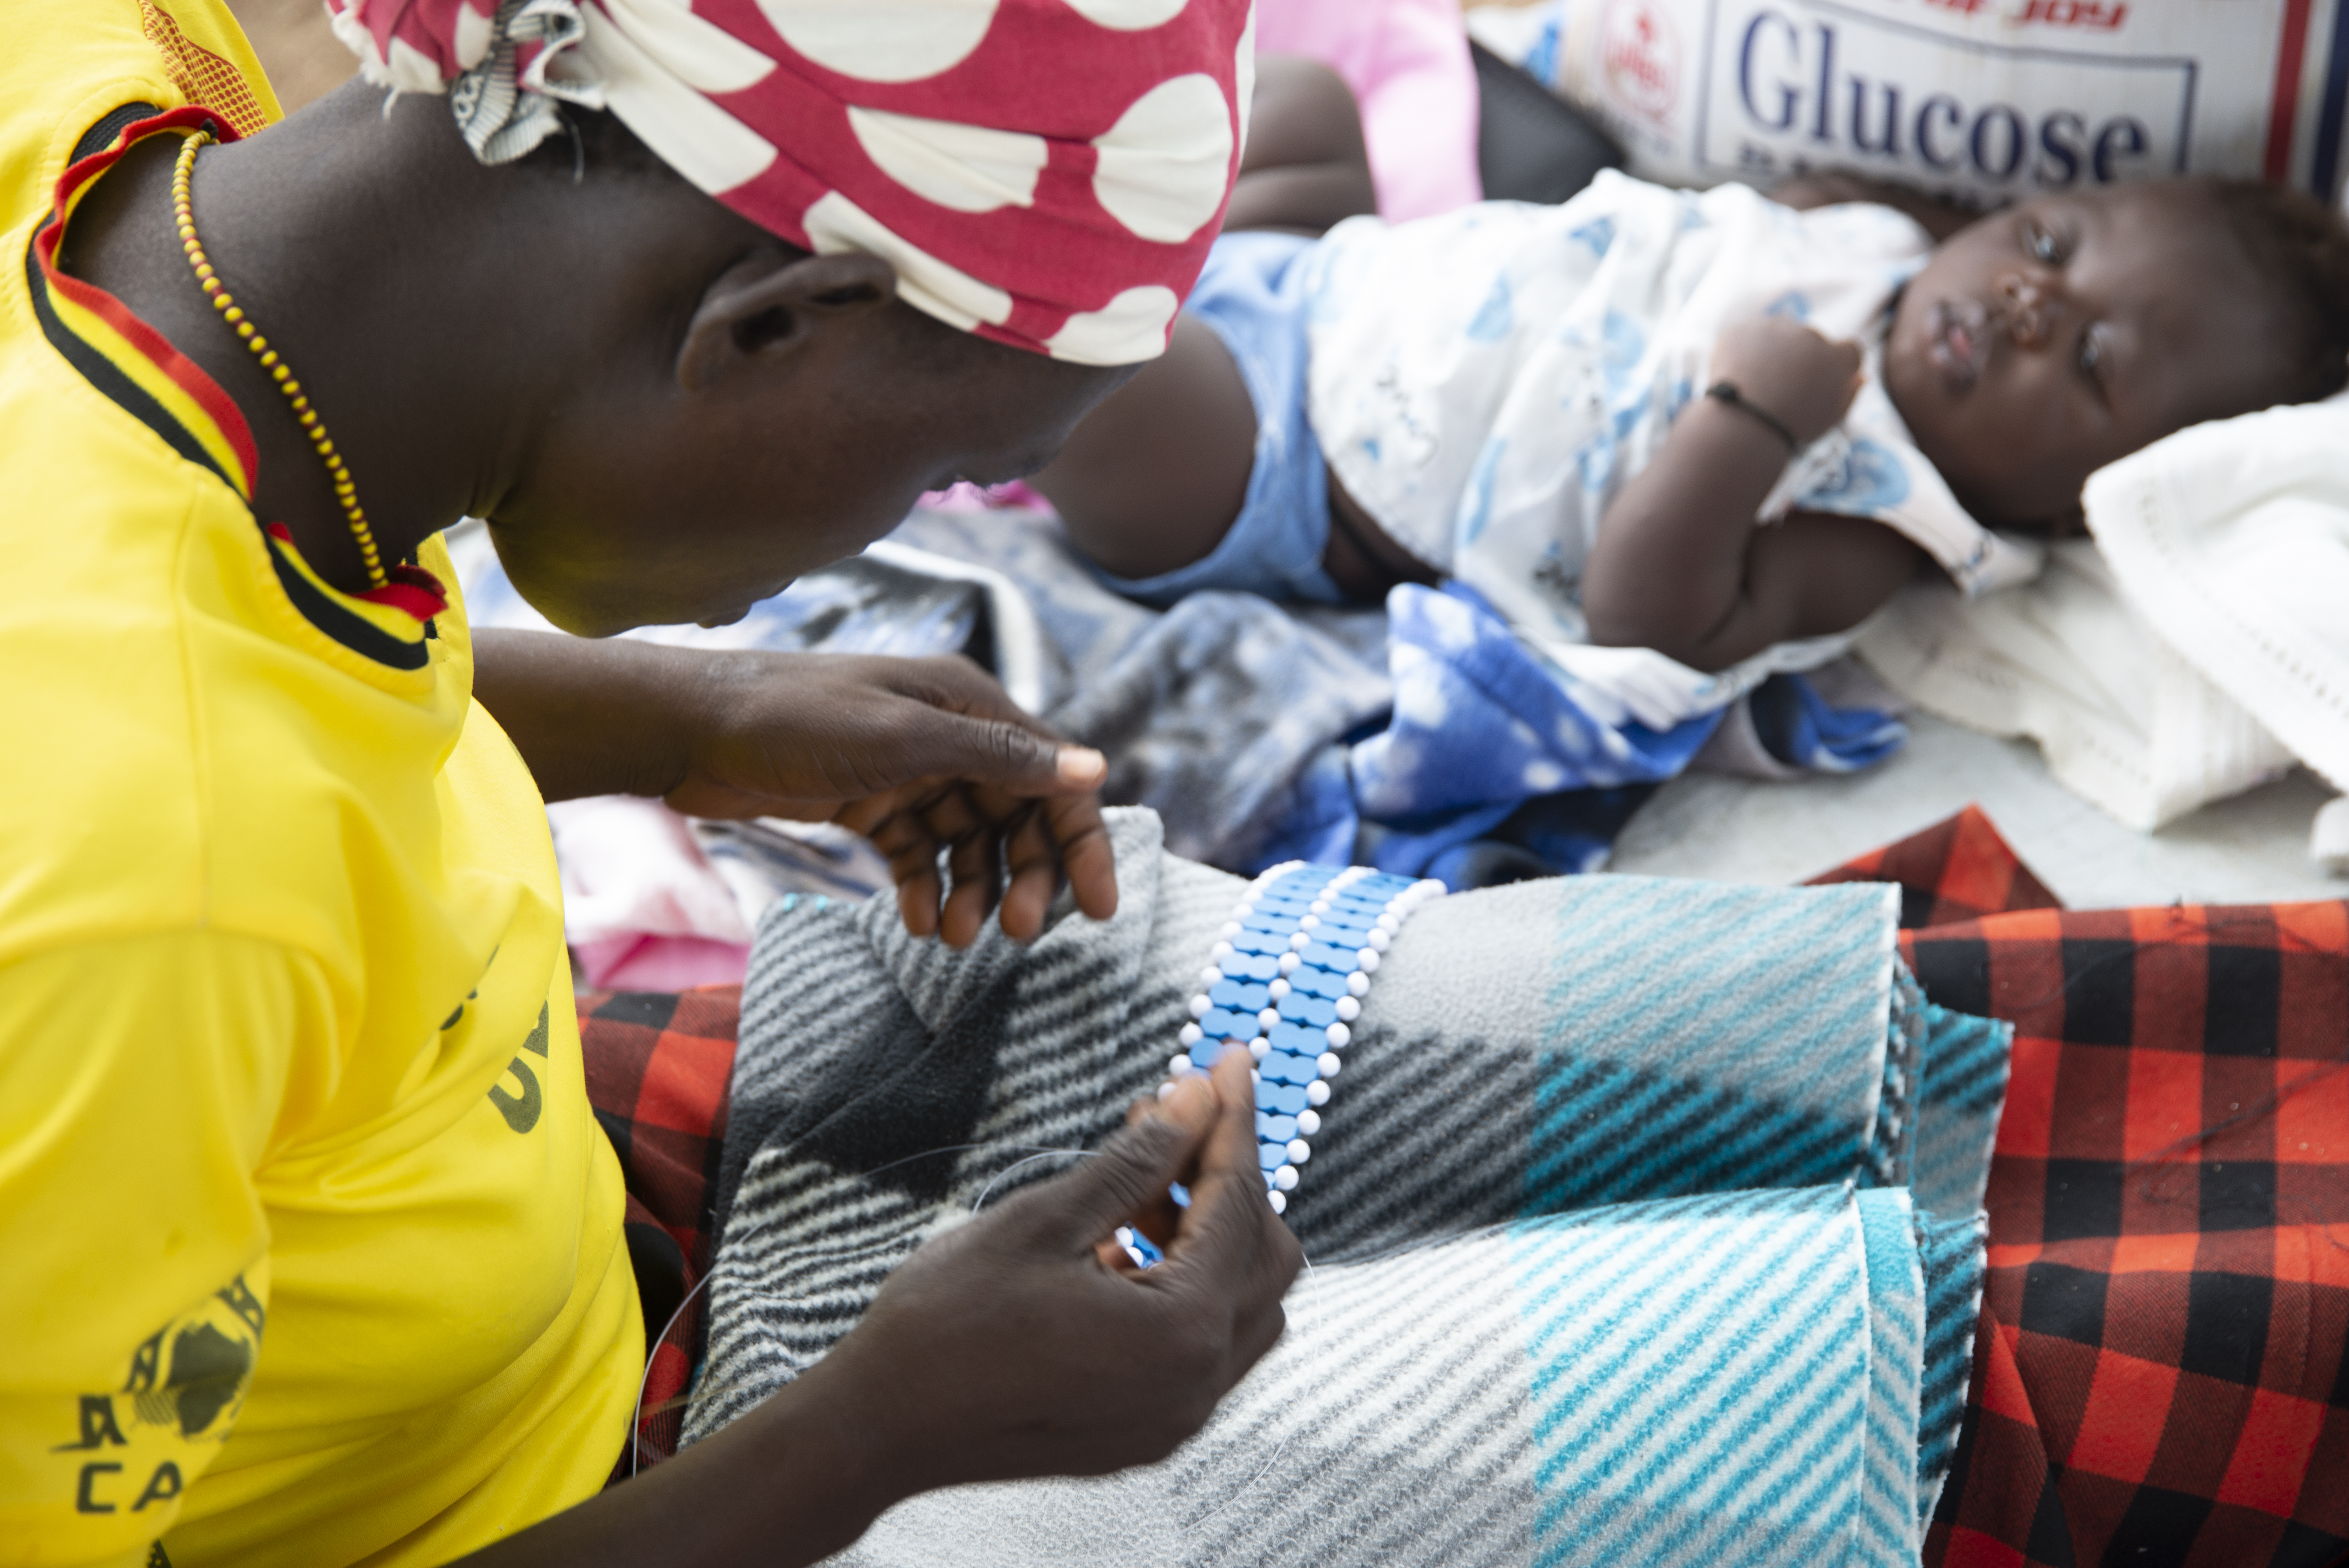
2199	646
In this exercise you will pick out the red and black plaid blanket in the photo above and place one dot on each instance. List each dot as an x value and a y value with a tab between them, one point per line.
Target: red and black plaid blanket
2159	1375
658	1064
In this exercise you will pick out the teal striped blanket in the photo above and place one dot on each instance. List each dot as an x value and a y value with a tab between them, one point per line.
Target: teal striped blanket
1643	1219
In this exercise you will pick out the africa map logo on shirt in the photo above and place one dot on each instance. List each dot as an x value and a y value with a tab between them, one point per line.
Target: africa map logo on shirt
185	1384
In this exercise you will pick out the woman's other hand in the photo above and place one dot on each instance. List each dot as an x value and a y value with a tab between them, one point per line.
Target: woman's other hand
1785	369
925	757
1017	1346
1009	1346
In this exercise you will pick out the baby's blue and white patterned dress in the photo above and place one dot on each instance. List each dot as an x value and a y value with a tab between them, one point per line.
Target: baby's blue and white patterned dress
1485	382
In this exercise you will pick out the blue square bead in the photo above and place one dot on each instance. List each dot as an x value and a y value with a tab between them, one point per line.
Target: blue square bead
1286	1099
1275	1128
1289	1068
1319	982
1219	1024
1311	1011
1239	996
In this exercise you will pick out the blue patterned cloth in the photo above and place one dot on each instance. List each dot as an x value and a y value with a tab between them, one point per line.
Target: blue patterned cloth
1481	726
1425	741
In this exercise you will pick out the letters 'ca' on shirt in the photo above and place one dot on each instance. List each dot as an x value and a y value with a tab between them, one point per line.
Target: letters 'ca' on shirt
313	1245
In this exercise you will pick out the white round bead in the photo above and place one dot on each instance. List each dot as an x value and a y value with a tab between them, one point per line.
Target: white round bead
1348	1009
1166	1091
1231	929
1199	1005
1220	951
1279	1200
1284	1179
1379	939
1388	924
1192	1034
1269	1018
1339	1036
1299	1152
1276	990
1180	1064
1317	1093
1259	1048
1210	976
1242	910
1433	886
1358	984
1297	943
1310	922
1289	962
1318	906
1328	1062
1309	1122
1368	959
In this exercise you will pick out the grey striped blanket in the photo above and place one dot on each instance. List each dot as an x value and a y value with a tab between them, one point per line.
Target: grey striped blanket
1642	1224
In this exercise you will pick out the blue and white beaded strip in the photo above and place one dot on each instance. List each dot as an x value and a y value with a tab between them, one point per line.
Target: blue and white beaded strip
1286	981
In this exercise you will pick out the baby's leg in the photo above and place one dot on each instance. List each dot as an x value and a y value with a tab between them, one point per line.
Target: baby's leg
1153	478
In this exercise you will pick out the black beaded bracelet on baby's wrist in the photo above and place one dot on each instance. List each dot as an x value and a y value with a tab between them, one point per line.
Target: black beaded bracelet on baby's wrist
1727	392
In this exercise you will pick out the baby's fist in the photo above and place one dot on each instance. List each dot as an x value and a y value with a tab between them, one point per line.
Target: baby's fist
1785	368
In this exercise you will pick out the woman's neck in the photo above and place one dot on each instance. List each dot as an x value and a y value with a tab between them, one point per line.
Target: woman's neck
325	229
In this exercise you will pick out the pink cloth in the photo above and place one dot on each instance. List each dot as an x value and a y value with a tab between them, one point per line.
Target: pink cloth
1046	173
645	963
1407	61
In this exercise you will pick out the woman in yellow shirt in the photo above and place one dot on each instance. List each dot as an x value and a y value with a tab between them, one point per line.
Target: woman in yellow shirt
315	1248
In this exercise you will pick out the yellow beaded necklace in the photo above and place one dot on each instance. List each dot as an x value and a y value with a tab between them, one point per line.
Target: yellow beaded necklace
232	313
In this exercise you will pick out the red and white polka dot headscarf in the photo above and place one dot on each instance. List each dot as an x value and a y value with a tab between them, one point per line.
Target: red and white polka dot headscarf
1046	173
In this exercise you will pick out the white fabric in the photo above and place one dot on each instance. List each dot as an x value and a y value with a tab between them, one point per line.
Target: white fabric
2328	841
1486	381
2124	722
2197	649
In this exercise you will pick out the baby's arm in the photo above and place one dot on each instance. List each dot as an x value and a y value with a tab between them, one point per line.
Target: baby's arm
1153	478
1680	566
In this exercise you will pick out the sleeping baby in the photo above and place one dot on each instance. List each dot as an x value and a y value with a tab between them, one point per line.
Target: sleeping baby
1709	425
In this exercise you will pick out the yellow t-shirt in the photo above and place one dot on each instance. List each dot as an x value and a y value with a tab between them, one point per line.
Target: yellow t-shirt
310	1247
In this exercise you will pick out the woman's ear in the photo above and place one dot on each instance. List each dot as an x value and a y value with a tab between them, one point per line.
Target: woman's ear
776	302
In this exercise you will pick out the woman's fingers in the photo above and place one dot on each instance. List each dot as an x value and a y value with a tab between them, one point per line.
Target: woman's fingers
1073	1213
1228	1240
1080	839
974	844
1032	866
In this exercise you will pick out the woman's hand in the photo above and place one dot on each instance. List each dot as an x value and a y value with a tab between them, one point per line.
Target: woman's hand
925	757
1786	370
1021	1344
1009	1346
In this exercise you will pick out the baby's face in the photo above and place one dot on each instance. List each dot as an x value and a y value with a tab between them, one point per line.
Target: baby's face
2053	337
